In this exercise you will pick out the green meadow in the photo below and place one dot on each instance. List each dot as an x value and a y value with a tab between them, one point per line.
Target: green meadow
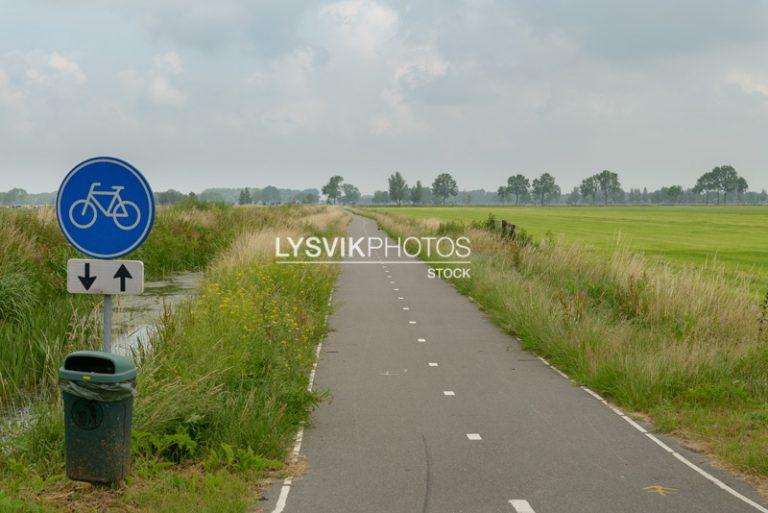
736	237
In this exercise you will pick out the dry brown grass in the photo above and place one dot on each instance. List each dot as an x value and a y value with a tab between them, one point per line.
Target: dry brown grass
259	245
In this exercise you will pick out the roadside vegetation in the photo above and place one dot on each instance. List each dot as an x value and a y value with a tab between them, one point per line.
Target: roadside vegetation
728	239
223	390
40	322
685	345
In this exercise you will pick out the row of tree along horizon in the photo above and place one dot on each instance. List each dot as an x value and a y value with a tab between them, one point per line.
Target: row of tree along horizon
603	187
721	185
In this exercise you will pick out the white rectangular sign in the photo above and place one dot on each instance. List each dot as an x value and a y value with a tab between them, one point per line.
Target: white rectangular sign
92	276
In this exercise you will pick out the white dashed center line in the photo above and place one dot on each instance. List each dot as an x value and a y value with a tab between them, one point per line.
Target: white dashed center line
449	392
474	436
396	290
400	297
521	506
406	308
411	322
421	340
433	364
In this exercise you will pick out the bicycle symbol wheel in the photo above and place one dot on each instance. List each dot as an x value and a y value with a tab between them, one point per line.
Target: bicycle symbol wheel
82	213
130	210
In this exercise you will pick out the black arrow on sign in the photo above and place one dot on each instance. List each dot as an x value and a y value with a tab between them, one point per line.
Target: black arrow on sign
122	273
87	280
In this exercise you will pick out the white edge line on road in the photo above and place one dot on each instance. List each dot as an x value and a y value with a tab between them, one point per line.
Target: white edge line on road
678	456
595	395
563	374
660	443
634	424
288	481
719	483
521	506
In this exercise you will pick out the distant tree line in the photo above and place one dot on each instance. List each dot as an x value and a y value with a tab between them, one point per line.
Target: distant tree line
271	195
605	188
443	189
18	197
721	185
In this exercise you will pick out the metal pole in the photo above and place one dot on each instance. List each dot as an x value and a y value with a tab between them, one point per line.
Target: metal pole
107	323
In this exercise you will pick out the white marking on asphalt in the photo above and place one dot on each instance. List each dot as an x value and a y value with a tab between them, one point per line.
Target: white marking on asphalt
411	322
433	364
474	436
400	297
396	290
521	506
563	374
634	424
406	308
679	456
720	484
595	395
421	340
449	392
660	443
288	481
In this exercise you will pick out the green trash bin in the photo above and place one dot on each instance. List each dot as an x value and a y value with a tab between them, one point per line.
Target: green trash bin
98	390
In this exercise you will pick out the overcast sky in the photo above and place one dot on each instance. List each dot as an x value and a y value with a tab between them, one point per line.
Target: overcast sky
232	93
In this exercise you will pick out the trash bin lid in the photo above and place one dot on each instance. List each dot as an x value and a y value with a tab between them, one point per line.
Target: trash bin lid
98	367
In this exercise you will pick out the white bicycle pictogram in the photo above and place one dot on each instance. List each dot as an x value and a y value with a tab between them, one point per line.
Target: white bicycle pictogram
118	209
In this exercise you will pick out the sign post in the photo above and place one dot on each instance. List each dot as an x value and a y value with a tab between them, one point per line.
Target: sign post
106	209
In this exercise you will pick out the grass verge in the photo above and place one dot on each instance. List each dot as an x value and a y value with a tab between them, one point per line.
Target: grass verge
220	396
40	322
730	238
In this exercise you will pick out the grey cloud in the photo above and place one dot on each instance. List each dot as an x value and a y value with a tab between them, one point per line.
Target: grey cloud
629	30
265	28
276	92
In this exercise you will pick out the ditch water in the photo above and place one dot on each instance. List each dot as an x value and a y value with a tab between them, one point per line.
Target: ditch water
135	317
135	320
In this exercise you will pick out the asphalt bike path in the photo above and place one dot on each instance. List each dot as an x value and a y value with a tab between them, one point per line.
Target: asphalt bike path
434	409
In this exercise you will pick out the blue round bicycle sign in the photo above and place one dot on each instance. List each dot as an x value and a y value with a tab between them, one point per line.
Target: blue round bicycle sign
105	207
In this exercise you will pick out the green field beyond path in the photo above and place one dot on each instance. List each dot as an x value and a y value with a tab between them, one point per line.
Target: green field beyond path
736	236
